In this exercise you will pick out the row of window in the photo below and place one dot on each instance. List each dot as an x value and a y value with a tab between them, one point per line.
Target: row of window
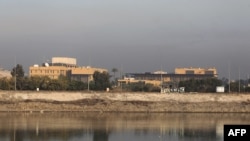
193	72
48	71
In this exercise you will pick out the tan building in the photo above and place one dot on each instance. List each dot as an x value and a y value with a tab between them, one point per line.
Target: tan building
191	70
74	73
64	67
5	73
51	71
69	62
84	74
147	78
159	79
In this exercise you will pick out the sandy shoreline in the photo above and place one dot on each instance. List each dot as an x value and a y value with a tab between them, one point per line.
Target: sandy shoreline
122	102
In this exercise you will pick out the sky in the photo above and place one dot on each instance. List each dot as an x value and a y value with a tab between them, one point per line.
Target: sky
134	36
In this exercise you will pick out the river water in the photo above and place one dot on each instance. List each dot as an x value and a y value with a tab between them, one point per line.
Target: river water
78	126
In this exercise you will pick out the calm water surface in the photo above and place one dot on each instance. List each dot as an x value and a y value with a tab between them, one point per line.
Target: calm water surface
116	127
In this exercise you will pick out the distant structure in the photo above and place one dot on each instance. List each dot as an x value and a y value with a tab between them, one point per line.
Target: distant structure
5	73
64	61
202	71
159	72
169	80
63	66
84	74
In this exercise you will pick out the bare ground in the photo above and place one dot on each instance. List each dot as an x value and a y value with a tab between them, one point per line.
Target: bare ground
122	102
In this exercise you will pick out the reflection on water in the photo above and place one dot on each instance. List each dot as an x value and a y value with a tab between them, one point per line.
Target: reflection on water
116	126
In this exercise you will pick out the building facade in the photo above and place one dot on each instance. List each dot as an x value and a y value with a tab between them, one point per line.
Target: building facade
84	74
52	72
169	80
191	70
64	67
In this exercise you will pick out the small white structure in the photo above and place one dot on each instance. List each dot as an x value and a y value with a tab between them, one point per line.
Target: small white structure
64	60
159	72
220	89
46	64
107	89
182	89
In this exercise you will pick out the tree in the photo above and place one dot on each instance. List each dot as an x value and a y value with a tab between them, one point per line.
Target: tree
76	86
201	85
18	71
141	87
18	76
41	82
101	80
5	84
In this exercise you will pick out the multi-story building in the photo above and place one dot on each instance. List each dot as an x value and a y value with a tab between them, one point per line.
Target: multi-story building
191	70
172	79
84	74
62	66
51	71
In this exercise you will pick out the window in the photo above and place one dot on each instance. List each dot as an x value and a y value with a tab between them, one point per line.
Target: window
189	72
209	72
61	72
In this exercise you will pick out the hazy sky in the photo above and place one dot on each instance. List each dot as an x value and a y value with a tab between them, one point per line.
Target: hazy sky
135	35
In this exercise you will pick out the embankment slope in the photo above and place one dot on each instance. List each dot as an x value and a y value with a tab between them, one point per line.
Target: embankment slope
122	102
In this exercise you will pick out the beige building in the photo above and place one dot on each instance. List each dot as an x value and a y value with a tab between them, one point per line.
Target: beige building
155	79
70	62
192	70
160	78
84	74
51	71
5	73
64	67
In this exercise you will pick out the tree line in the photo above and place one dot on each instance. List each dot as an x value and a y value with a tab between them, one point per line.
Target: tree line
21	82
101	81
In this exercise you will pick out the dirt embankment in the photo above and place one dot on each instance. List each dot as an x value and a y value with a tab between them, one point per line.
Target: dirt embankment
123	102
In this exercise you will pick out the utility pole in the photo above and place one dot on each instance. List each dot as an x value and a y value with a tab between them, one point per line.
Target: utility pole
229	77
239	79
88	82
161	81
121	77
15	72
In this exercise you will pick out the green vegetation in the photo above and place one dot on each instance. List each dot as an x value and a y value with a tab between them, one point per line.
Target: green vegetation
101	81
202	85
18	80
141	87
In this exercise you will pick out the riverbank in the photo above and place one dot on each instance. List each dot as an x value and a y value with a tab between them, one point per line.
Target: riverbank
122	102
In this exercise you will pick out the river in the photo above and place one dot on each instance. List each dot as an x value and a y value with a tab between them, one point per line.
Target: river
80	126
